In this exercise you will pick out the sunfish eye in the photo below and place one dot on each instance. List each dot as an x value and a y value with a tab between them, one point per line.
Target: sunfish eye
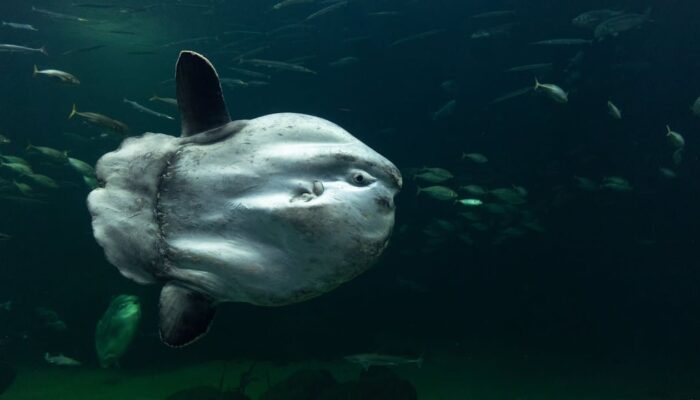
361	178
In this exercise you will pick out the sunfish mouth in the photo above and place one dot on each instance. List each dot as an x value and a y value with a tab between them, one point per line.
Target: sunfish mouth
385	203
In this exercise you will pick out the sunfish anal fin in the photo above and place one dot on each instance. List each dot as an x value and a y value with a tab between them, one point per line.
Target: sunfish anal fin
185	315
199	95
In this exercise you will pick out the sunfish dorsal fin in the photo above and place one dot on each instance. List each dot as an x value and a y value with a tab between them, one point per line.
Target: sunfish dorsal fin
199	95
185	315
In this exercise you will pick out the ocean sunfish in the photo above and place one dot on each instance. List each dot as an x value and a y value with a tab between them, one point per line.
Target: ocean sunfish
270	211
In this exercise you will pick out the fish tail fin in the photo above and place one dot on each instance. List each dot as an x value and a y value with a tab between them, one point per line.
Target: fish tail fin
36	70
419	361
43	51
668	129
537	83
420	189
73	112
154	97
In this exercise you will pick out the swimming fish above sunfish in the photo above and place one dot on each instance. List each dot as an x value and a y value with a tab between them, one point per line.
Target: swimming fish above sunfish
15	25
554	92
100	120
13	48
63	76
138	107
270	211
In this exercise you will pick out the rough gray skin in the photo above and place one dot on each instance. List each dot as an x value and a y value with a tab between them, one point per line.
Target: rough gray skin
271	211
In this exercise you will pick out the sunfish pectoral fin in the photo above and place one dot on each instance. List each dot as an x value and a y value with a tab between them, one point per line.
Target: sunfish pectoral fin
199	95
185	315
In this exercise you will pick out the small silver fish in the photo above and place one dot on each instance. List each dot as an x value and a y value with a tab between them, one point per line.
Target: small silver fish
369	359
166	100
138	107
562	42
286	3
675	138
445	111
494	14
695	107
61	360
475	157
327	10
63	76
616	25
488	33
471	202
56	15
279	65
438	192
530	67
553	91
590	19
13	48
101	120
614	111
343	62
15	25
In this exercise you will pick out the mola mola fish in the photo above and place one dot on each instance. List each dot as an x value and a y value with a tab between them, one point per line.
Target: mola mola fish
270	211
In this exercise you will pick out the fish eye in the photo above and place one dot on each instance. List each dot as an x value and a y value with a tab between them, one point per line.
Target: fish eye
361	178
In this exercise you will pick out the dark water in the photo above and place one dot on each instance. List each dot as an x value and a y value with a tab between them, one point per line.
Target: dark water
605	287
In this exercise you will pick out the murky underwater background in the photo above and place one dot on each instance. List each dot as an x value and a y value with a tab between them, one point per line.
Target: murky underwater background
576	277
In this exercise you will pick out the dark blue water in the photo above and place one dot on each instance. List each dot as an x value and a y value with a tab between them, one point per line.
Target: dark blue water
610	283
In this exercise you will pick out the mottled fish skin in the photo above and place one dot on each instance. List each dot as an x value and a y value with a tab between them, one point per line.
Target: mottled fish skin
270	211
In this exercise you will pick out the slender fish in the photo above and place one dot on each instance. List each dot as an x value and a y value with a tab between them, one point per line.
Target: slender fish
563	42
63	76
13	48
101	120
82	50
56	15
287	3
15	25
279	65
138	107
326	10
166	100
